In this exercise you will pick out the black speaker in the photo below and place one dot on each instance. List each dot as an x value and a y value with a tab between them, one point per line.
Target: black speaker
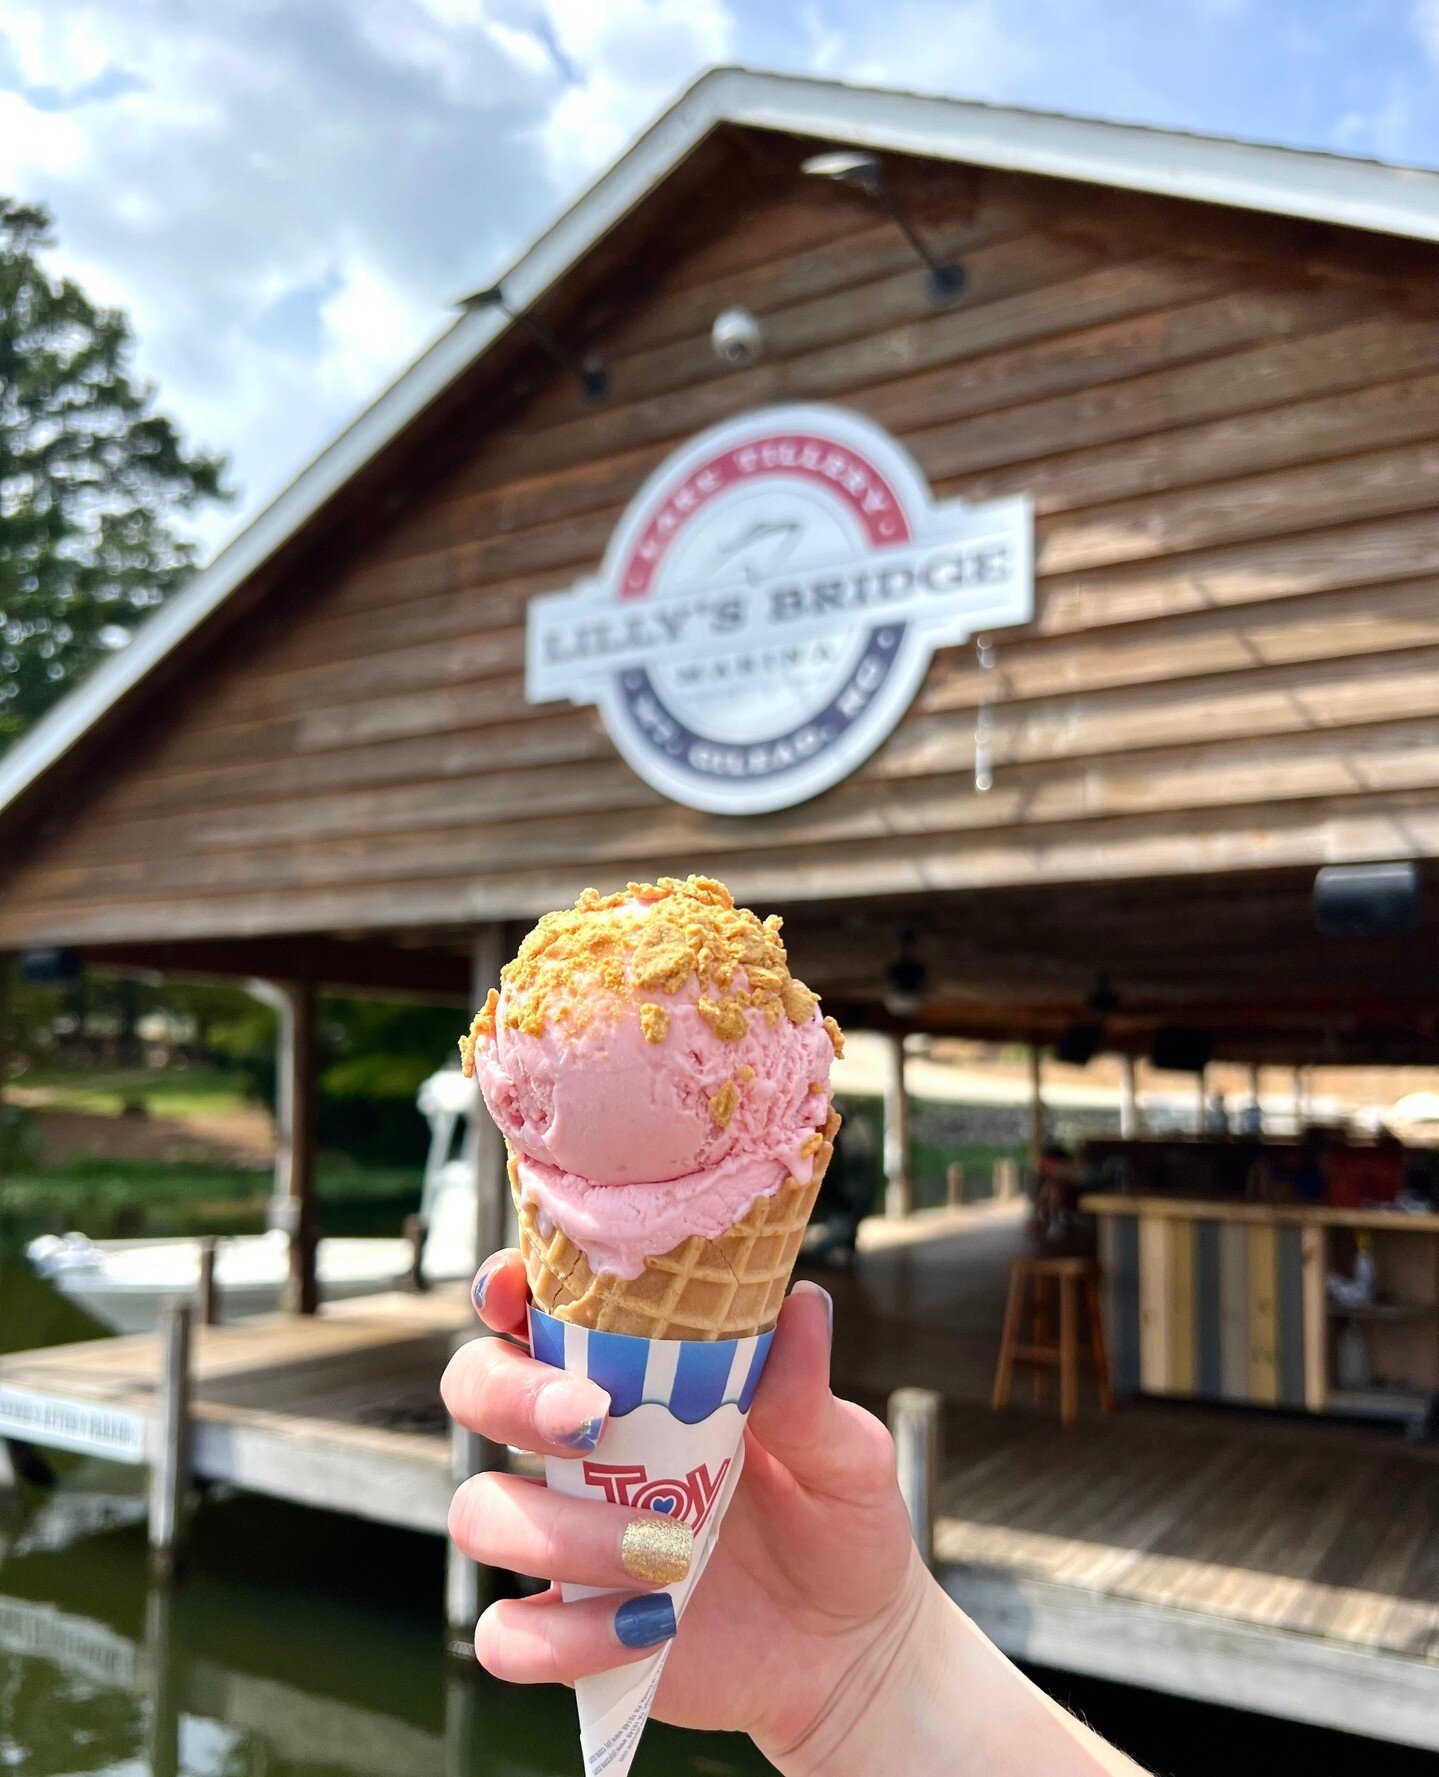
1367	900
1079	1044
49	968
1180	1050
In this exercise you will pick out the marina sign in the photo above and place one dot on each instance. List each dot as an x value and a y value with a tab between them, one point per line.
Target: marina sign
769	603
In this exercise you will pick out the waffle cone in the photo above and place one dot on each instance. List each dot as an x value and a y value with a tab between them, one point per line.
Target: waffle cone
726	1288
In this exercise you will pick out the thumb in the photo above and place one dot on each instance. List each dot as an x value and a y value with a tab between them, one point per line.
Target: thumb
828	1445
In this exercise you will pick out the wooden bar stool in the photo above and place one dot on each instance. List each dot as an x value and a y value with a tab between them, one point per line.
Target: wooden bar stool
1034	1283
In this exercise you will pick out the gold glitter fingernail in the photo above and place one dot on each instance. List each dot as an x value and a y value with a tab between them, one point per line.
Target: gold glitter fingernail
657	1550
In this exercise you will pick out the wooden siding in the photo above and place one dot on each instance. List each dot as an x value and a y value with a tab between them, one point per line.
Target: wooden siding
1234	455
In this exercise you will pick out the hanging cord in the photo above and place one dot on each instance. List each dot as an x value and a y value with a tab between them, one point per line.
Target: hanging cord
984	718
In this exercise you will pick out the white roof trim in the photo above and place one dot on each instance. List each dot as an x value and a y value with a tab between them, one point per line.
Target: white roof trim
1319	187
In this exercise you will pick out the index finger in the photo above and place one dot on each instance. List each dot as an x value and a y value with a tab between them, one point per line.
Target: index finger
502	1293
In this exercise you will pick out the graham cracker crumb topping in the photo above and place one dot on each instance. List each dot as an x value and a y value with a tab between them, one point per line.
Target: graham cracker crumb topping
577	963
482	1025
722	1105
836	1036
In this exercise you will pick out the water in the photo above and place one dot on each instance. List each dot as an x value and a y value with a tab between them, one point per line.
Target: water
296	1644
299	1643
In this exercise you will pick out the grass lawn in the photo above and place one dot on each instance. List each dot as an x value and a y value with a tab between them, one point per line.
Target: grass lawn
110	1199
930	1166
33	1314
175	1092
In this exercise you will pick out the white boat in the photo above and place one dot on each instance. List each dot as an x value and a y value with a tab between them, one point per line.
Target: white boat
123	1283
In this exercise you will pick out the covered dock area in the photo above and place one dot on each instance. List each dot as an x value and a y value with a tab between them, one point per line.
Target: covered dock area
1205	401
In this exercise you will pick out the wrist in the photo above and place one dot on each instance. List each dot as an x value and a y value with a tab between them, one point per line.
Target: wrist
892	1666
928	1695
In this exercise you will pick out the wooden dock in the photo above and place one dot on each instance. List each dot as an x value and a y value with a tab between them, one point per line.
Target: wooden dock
1288	1569
339	1410
1238	1558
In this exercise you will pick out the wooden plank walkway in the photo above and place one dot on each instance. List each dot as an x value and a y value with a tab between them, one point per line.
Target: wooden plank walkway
1288	1568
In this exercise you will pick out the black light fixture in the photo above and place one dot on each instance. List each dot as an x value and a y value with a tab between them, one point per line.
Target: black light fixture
591	375
906	981
1367	900
863	173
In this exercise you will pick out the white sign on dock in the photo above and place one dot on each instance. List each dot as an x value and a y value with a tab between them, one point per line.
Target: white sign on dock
88	1427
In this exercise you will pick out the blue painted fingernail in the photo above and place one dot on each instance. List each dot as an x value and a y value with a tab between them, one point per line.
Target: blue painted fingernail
570	1411
482	1283
647	1621
585	1436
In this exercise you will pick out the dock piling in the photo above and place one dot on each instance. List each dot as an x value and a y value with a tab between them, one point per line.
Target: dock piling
207	1304
914	1424
170	1451
414	1230
469	1587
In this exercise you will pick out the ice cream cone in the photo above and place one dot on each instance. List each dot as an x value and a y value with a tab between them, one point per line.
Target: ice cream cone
726	1288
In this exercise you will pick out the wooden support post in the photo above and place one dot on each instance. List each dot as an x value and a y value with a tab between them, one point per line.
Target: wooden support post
6	1001
1128	1097
954	1183
468	1586
163	1735
170	1452
414	1232
207	1305
914	1424
898	1180
1006	1179
461	1716
296	1088
1036	1110
493	1209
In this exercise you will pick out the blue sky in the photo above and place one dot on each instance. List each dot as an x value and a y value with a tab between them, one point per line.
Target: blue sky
287	195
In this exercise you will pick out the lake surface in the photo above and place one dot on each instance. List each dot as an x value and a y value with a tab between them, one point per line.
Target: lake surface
299	1643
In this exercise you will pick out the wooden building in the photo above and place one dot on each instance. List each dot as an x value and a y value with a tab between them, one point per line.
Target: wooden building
1212	367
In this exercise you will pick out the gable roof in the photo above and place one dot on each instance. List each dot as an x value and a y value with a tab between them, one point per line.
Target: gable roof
1320	187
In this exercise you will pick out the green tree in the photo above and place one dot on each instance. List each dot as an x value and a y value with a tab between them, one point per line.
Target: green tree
91	478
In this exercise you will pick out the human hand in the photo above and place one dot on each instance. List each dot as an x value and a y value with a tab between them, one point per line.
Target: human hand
814	1573
816	1628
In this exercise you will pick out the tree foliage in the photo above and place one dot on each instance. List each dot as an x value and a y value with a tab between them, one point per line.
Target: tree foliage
91	479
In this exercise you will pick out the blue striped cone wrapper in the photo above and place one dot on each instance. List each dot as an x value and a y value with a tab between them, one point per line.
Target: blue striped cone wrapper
673	1443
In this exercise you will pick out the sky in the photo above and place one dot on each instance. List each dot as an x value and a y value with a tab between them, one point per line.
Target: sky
289	196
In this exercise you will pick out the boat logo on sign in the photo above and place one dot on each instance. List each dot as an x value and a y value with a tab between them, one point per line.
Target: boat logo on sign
769	603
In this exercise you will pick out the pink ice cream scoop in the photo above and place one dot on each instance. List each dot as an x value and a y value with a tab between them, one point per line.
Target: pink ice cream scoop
645	1100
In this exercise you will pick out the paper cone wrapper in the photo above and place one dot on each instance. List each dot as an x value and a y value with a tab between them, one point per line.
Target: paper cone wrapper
673	1443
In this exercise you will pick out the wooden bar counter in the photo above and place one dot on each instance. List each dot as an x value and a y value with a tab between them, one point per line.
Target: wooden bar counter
1227	1300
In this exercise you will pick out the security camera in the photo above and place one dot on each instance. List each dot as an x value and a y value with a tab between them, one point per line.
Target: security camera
736	337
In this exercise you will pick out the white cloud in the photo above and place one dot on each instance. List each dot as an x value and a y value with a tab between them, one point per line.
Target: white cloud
286	195
630	57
